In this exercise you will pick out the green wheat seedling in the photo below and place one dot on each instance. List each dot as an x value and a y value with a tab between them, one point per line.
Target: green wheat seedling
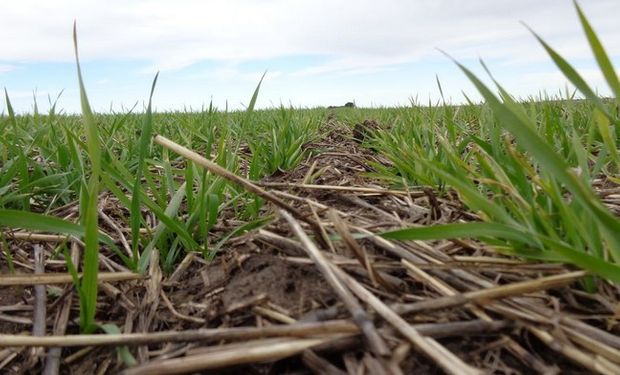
530	180
135	215
89	194
525	168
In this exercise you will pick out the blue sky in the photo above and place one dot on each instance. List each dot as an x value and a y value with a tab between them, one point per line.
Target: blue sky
316	53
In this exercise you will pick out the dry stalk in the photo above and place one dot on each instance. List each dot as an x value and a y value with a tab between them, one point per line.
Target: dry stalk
64	278
263	350
480	296
351	189
442	357
118	231
246	184
357	250
177	314
52	363
27	236
40	303
338	327
319	365
596	364
358	314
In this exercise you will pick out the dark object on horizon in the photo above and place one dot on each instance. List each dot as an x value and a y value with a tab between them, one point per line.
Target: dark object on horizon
346	105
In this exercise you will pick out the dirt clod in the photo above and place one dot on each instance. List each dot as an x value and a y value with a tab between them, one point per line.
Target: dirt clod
288	285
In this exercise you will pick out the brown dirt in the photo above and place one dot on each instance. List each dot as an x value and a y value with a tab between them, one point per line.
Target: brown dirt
295	288
10	296
265	279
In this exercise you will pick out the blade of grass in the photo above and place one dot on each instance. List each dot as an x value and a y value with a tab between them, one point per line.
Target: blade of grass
114	173
445	231
144	143
10	110
7	253
238	231
549	160
171	212
481	230
599	53
88	304
123	351
573	76
44	223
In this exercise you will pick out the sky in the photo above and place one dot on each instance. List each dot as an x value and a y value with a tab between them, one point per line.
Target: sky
315	52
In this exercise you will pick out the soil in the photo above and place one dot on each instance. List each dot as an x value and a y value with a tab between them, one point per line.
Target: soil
10	296
265	279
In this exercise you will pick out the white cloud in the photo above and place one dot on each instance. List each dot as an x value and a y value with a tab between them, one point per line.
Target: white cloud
231	73
379	52
361	34
4	68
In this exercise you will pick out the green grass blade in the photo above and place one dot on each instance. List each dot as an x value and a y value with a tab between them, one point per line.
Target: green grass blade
10	110
609	140
474	198
44	223
123	351
114	173
255	94
144	143
545	155
73	272
237	232
7	253
88	304
588	262
447	231
573	76
90	125
482	230
248	115
170	212
602	59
